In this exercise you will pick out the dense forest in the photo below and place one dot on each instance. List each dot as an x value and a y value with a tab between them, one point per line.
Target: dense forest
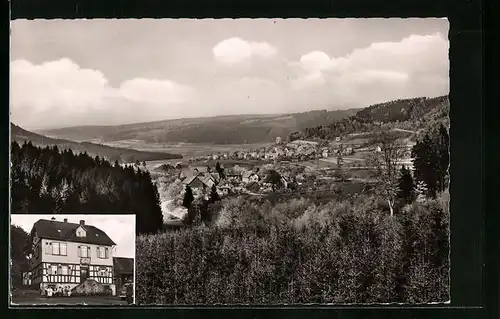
412	114
47	180
301	252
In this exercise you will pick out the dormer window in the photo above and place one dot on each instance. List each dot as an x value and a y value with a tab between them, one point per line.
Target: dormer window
80	232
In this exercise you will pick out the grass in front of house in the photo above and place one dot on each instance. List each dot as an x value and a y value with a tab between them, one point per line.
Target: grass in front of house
30	299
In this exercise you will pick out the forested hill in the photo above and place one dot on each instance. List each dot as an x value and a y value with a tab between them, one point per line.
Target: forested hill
401	110
21	135
231	129
45	180
411	114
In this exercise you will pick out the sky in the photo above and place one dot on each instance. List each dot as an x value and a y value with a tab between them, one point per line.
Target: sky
109	72
120	228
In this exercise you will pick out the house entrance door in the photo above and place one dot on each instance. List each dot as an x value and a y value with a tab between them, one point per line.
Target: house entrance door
84	273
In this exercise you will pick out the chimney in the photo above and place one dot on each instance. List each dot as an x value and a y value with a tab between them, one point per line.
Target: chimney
65	220
53	218
82	222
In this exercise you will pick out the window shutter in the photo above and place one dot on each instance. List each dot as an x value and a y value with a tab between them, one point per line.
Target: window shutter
79	251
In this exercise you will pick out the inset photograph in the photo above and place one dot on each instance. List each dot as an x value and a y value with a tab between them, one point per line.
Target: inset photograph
72	259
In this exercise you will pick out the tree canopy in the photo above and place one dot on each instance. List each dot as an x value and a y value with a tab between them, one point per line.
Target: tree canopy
431	160
46	180
274	178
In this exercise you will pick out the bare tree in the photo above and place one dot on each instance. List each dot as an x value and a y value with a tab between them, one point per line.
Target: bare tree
385	161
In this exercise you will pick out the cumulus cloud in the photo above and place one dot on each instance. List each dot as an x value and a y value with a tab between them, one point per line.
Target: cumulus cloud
381	64
55	84
236	50
61	92
154	91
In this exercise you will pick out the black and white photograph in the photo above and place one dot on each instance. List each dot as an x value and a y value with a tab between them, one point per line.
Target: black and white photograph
72	259
266	161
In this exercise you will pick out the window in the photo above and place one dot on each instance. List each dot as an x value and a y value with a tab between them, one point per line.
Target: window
53	270
84	251
63	249
102	252
55	248
80	232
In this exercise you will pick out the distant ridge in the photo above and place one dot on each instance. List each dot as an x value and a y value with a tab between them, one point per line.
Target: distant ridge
21	135
227	129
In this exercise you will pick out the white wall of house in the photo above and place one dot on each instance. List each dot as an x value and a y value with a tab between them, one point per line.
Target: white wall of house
72	255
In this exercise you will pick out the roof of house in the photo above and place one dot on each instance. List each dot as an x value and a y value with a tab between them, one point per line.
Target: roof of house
123	265
189	179
201	169
215	176
65	231
208	180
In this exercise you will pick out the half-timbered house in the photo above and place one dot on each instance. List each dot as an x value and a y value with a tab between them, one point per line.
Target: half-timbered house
67	254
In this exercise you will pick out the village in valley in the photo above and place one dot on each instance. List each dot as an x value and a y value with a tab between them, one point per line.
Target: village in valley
286	167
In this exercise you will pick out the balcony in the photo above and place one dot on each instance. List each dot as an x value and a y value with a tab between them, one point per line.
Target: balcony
85	260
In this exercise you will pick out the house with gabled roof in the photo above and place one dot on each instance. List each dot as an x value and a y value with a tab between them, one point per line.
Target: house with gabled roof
250	177
68	255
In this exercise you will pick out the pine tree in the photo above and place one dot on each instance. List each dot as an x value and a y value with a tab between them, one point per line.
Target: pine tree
339	173
406	187
421	191
443	143
188	197
220	170
214	196
426	163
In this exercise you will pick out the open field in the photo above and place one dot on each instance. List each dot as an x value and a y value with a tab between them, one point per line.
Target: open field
187	150
151	165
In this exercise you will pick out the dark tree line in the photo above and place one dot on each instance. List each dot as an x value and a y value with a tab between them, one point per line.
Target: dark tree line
431	160
345	126
19	251
46	180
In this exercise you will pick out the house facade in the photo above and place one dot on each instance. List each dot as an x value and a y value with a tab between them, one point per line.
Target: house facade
68	254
